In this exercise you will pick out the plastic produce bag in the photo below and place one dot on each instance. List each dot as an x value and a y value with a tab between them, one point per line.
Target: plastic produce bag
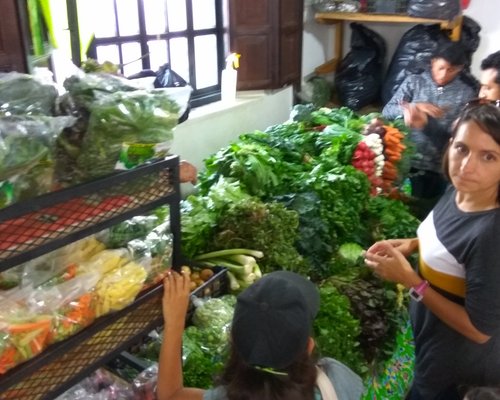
118	288
177	88
154	252
144	385
24	333
439	9
27	146
359	76
59	265
125	130
101	385
71	303
134	228
22	94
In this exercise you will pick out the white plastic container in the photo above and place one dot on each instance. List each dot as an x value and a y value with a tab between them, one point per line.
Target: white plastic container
229	78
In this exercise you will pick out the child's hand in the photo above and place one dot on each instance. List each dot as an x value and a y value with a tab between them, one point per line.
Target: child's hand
175	299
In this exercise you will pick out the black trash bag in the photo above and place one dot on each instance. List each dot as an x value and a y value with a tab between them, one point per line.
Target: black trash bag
440	9
412	56
415	50
165	77
469	37
359	76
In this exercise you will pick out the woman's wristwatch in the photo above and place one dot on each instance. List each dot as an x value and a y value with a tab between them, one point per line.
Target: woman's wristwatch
417	292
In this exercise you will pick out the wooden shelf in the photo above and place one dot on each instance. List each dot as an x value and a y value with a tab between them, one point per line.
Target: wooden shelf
454	27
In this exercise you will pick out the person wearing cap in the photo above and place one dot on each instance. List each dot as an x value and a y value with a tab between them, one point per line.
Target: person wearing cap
271	346
490	77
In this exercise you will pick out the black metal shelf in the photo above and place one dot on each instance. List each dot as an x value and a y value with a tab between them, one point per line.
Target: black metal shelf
32	228
36	227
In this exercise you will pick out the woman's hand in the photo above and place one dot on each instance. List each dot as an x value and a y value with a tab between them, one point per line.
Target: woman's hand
175	299
406	246
390	264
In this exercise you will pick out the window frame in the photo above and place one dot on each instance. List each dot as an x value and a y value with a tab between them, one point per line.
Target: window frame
199	96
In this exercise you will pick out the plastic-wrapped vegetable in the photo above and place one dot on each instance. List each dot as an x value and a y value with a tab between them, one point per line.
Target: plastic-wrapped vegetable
23	333
22	94
26	155
136	227
118	288
125	130
101	385
154	252
71	303
144	385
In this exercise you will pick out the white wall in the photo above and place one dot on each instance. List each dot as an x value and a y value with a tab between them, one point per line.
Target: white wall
214	126
318	38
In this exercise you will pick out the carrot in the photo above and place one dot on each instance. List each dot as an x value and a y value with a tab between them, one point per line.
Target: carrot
7	359
28	326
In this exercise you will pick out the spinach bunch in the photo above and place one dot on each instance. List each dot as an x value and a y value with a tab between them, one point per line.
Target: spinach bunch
336	330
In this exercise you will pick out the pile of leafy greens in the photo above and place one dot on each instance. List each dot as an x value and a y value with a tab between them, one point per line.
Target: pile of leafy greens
291	191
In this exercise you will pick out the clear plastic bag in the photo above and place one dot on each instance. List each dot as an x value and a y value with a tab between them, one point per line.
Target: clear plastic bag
24	333
27	146
23	94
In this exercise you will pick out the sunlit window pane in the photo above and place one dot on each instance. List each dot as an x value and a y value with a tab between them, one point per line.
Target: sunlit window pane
204	14
157	53
155	14
128	17
179	55
104	23
176	11
108	53
205	48
131	53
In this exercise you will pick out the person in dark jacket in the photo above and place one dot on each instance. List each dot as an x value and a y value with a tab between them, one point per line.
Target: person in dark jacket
429	103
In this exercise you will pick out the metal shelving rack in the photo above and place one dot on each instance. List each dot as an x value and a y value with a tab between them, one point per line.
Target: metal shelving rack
32	228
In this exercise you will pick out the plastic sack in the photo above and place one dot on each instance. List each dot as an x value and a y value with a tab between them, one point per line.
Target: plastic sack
22	94
105	261
144	385
415	50
59	265
154	253
168	78
101	385
412	56
71	304
172	83
127	129
438	9
136	227
24	333
118	288
359	76
336	6
27	145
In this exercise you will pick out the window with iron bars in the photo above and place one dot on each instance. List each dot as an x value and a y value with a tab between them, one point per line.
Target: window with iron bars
143	35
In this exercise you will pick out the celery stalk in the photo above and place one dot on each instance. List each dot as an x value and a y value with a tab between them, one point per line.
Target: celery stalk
229	252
